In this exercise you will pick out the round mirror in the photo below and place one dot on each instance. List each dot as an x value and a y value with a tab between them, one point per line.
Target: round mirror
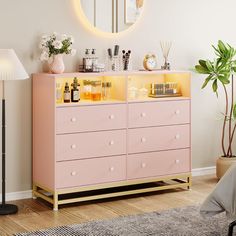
112	16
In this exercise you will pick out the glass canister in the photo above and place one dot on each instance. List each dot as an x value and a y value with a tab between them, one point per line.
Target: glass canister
132	93
143	92
106	90
87	89
96	92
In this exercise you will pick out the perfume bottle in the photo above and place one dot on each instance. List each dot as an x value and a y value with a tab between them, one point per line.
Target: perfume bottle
75	91
67	93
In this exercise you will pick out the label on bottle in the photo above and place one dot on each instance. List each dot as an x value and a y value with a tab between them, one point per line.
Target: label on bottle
76	96
66	96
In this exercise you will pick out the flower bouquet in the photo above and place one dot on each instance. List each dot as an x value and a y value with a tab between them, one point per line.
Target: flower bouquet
53	47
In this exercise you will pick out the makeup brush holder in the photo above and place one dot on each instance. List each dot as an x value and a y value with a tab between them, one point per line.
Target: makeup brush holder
113	63
127	64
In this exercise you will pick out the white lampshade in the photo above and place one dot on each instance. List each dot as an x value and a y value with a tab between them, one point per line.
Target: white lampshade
10	66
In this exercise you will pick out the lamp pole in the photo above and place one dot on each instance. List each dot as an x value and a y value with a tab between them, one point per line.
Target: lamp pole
5	209
3	146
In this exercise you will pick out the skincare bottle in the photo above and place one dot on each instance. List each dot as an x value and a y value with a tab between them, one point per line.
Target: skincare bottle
67	93
87	61
75	91
95	60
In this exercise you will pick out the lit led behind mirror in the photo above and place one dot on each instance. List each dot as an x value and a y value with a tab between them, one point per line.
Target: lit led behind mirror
112	16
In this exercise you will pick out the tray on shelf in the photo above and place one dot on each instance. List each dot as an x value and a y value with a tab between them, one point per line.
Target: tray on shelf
164	95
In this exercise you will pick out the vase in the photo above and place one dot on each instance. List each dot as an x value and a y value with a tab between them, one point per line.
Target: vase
223	164
57	65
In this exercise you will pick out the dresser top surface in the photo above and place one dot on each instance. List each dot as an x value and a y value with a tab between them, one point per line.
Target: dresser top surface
111	73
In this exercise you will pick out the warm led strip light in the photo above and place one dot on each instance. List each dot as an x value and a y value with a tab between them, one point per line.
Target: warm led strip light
82	17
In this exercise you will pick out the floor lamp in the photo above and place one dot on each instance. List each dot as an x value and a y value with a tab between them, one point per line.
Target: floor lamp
10	69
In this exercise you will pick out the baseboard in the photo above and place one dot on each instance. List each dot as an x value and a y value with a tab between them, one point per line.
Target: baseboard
204	171
18	195
28	194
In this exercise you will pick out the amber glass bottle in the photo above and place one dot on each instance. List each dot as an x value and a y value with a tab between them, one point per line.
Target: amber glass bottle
75	91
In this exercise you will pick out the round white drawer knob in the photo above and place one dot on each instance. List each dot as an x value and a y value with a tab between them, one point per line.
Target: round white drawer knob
73	146
112	169
177	136
111	117
143	114
143	165
111	143
73	119
177	112
177	161
73	173
143	140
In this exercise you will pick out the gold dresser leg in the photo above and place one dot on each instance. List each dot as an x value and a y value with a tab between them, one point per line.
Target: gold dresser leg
55	201
35	188
190	182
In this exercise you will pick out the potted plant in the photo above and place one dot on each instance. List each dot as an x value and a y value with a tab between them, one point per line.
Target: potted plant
53	47
220	72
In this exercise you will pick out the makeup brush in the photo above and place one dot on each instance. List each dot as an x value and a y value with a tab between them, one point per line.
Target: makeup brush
109	52
116	50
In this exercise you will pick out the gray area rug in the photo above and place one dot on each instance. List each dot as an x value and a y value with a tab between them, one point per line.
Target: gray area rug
175	222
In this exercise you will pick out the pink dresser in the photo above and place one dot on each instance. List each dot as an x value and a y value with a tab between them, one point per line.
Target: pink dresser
92	146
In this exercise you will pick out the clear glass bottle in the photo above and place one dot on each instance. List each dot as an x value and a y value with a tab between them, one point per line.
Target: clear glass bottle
94	60
87	89
59	92
106	90
96	92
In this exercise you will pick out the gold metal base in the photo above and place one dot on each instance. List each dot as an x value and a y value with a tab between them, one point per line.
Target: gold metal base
110	190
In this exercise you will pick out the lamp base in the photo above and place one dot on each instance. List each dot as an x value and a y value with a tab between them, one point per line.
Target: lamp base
8	209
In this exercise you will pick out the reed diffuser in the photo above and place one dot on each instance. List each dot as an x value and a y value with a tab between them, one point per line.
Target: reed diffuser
165	47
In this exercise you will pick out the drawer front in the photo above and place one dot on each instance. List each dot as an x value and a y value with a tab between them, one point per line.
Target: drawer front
92	171
87	145
158	138
158	163
90	118
159	113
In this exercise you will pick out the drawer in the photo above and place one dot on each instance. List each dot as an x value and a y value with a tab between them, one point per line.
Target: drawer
159	113
87	145
90	118
158	164
158	138
92	171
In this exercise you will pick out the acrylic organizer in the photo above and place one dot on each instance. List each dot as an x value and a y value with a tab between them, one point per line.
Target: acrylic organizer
169	89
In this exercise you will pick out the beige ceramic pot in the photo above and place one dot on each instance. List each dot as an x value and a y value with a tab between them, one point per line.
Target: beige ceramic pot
223	164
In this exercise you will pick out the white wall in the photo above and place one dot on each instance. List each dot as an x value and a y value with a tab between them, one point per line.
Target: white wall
192	26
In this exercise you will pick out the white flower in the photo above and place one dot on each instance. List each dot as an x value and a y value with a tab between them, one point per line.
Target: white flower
71	39
54	34
45	38
72	52
57	44
41	46
44	56
63	37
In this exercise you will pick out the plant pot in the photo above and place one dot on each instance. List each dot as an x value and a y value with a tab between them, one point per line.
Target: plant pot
223	164
57	65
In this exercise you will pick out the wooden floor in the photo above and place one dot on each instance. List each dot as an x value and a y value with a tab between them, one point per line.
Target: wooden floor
35	214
